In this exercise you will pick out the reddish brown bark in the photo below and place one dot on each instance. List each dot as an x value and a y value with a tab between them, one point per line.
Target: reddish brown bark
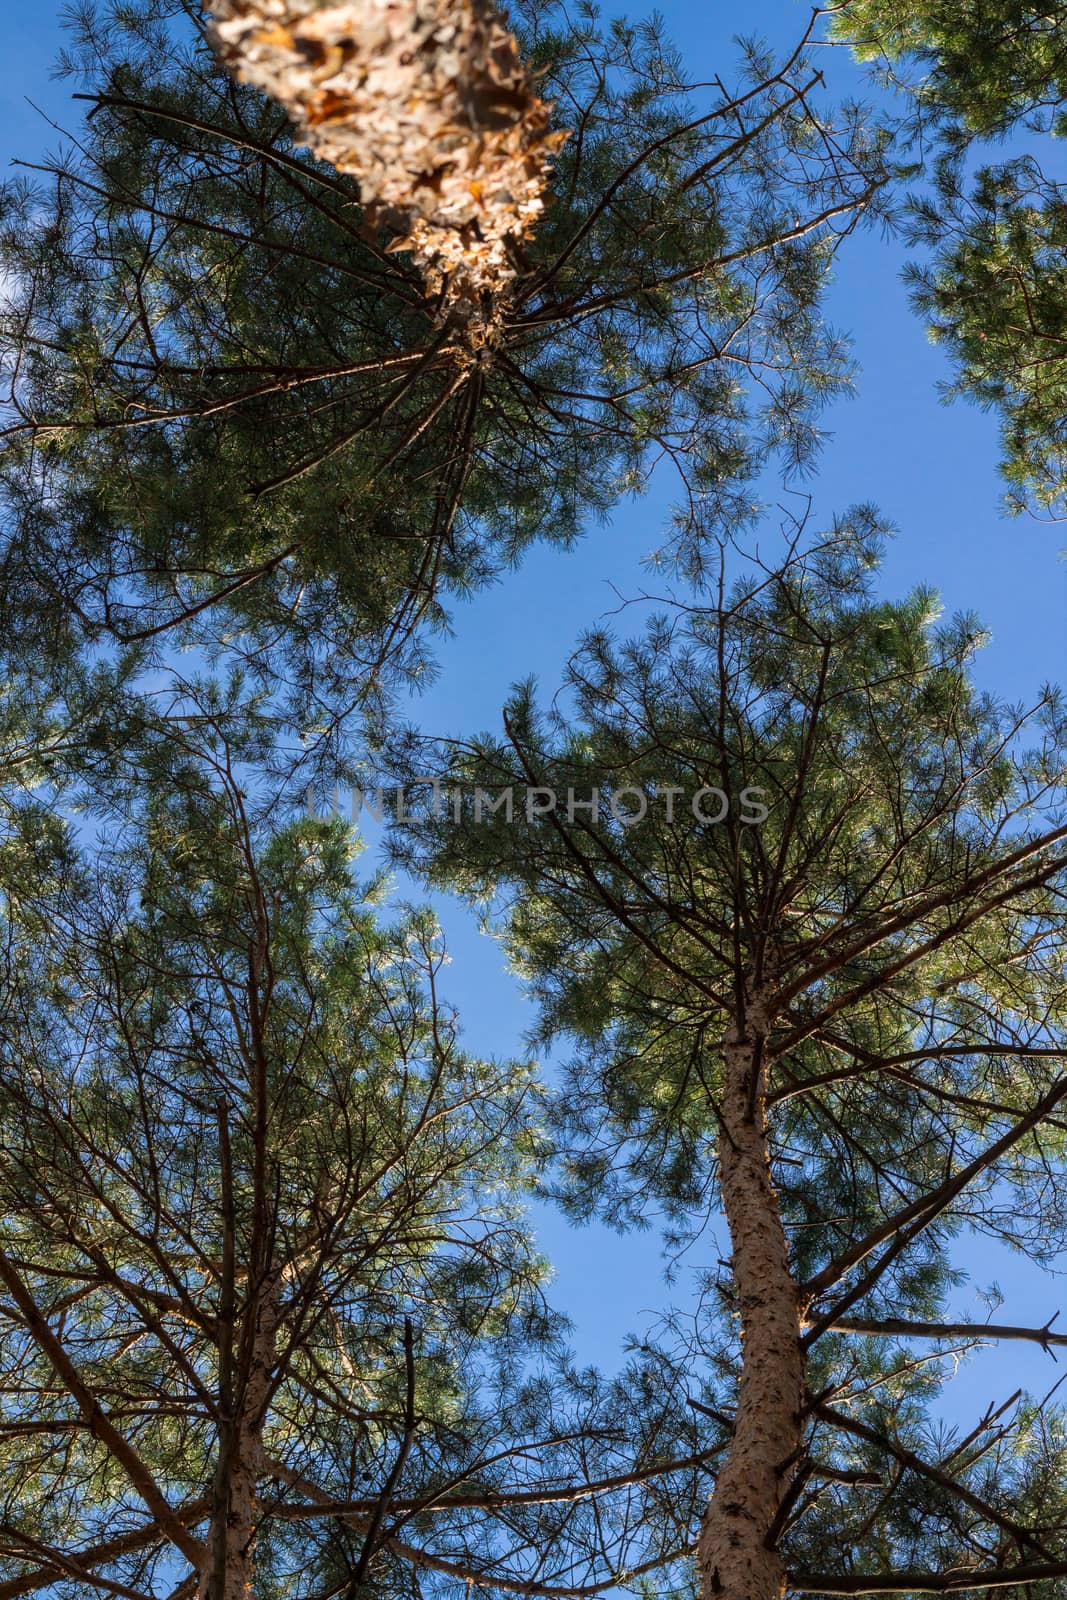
241	1464
735	1553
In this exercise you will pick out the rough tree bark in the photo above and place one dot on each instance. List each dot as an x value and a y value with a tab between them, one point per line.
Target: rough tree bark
429	105
241	1465
735	1553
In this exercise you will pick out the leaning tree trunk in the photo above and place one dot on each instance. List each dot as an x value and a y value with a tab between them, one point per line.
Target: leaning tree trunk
430	105
736	1553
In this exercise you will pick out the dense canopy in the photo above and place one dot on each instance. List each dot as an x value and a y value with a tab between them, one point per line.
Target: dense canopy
288	378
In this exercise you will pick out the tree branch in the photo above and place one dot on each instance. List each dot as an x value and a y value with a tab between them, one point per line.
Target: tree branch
100	1424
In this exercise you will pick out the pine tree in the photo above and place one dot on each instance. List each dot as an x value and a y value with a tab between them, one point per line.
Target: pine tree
432	108
985	66
992	286
272	1319
795	888
236	414
993	298
261	1244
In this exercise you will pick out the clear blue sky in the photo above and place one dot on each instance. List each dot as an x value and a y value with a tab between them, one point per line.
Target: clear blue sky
931	469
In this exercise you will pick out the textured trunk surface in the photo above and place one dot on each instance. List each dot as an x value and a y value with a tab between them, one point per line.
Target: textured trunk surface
734	1554
429	104
241	1462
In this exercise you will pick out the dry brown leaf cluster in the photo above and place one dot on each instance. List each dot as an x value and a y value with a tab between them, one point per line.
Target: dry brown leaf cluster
426	102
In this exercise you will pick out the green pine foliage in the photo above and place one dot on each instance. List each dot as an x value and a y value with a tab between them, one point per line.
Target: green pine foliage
223	1069
984	64
232	1088
272	1316
901	908
235	419
991	283
994	299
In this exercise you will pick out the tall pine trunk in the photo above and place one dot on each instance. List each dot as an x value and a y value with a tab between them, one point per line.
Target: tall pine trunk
735	1553
240	1465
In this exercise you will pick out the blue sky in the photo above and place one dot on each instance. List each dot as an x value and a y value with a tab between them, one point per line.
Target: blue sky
930	468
